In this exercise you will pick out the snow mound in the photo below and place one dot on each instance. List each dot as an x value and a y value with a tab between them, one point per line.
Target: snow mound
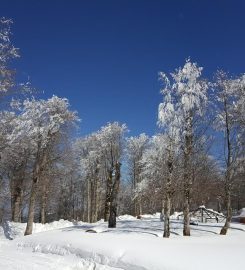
242	212
12	230
176	215
136	244
151	216
126	217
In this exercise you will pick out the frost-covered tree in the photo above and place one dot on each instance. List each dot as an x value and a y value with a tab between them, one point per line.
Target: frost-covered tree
239	110
40	121
169	119
229	120
153	174
7	53
89	149
15	160
58	190
111	138
6	124
135	149
100	160
185	93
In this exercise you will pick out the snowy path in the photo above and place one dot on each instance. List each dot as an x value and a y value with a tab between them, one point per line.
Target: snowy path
134	245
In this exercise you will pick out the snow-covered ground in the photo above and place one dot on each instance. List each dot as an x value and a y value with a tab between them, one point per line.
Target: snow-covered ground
133	245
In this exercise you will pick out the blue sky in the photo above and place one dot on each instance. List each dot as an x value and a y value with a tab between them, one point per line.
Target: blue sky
104	56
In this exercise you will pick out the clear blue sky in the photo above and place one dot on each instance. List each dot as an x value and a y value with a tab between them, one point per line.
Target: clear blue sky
104	55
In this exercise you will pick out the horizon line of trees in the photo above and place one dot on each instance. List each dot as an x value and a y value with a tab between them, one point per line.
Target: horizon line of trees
48	173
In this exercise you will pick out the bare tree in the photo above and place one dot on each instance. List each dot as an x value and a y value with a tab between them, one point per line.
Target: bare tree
135	149
111	138
226	89
185	94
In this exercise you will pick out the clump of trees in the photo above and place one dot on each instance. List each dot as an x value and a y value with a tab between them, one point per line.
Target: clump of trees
48	173
183	117
100	158
32	134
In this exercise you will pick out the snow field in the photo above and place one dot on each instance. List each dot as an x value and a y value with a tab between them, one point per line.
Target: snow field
133	245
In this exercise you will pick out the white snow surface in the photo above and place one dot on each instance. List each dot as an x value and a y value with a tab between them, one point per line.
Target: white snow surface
136	244
242	213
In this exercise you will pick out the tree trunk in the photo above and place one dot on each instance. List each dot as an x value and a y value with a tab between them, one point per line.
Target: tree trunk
31	210
88	200
228	176
187	175
17	192
83	214
95	200
38	167
167	206
168	195
135	200
140	204
17	204
114	195
229	213
44	203
92	201
108	195
186	229
218	204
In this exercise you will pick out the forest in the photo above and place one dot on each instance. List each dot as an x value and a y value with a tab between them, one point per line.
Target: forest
48	172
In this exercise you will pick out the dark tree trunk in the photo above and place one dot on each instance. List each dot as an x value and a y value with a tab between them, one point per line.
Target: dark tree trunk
228	176
136	198
88	200
187	175
229	212
17	192
94	200
31	210
17	202
44	203
38	168
108	195
83	214
114	195
167	206
168	196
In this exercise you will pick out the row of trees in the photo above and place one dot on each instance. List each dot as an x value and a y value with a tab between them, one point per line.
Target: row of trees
174	169
32	135
197	157
184	116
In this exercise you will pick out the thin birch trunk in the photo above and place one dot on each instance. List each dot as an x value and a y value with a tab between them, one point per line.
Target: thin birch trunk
168	195
88	200
187	175
95	212
228	176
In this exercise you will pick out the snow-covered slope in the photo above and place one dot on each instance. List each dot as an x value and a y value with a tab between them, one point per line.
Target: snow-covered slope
134	244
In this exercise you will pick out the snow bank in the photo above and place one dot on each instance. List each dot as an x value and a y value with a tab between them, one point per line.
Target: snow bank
133	245
135	252
14	230
150	216
176	215
126	217
242	212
